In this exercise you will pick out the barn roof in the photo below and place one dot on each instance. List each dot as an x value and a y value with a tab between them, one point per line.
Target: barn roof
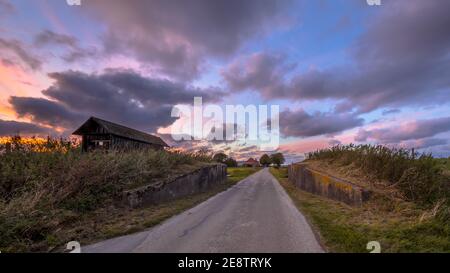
119	130
251	160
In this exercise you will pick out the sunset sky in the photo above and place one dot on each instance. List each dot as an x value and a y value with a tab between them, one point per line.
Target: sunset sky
342	71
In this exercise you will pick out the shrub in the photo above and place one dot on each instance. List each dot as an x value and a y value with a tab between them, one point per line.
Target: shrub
43	181
231	162
419	177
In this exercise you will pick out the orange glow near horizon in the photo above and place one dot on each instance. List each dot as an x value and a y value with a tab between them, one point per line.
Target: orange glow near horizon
24	140
15	81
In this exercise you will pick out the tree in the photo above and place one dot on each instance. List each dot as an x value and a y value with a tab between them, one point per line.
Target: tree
265	160
277	159
220	157
230	162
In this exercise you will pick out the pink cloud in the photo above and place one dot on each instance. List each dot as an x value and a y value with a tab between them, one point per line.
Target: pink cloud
305	146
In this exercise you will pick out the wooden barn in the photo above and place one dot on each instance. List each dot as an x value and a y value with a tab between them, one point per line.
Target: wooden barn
101	134
251	162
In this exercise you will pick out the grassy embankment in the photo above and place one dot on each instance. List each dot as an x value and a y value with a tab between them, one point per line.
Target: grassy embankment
51	194
408	211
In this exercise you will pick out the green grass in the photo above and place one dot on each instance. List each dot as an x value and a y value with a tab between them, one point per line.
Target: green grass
238	173
348	229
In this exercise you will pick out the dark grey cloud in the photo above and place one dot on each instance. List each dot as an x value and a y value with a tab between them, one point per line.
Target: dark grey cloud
15	49
49	37
75	51
403	58
157	91
175	37
260	71
122	96
10	128
47	112
302	124
410	131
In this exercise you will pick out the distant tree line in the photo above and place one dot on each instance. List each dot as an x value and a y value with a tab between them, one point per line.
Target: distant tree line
266	160
275	159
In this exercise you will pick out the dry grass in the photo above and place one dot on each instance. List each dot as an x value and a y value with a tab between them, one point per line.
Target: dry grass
398	225
418	178
48	186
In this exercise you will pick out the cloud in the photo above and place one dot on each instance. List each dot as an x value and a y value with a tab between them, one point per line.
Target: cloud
392	66
175	37
9	128
390	111
75	51
304	146
6	7
423	143
7	62
334	142
47	112
122	96
10	49
260	71
49	37
302	124
408	131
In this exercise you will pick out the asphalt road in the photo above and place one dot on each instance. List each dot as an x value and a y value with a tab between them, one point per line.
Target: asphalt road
255	215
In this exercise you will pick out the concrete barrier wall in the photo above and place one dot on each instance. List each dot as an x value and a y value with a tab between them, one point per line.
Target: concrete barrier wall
319	183
198	181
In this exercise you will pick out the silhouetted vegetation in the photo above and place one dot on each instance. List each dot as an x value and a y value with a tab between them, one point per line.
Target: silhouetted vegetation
220	157
225	159
265	160
231	162
277	159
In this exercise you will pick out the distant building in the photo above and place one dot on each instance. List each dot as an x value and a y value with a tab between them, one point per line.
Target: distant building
251	162
101	134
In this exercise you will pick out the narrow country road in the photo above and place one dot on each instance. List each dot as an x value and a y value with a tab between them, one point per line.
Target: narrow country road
255	215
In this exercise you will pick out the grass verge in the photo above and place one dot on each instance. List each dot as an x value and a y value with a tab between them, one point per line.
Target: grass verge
49	231
403	228
238	173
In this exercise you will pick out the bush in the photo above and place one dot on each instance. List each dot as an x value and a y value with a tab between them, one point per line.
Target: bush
231	163
43	181
265	160
419	177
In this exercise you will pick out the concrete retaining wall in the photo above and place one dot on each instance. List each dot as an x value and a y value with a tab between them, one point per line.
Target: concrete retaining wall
326	185
191	183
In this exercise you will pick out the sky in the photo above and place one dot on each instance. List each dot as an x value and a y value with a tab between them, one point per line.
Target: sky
341	71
